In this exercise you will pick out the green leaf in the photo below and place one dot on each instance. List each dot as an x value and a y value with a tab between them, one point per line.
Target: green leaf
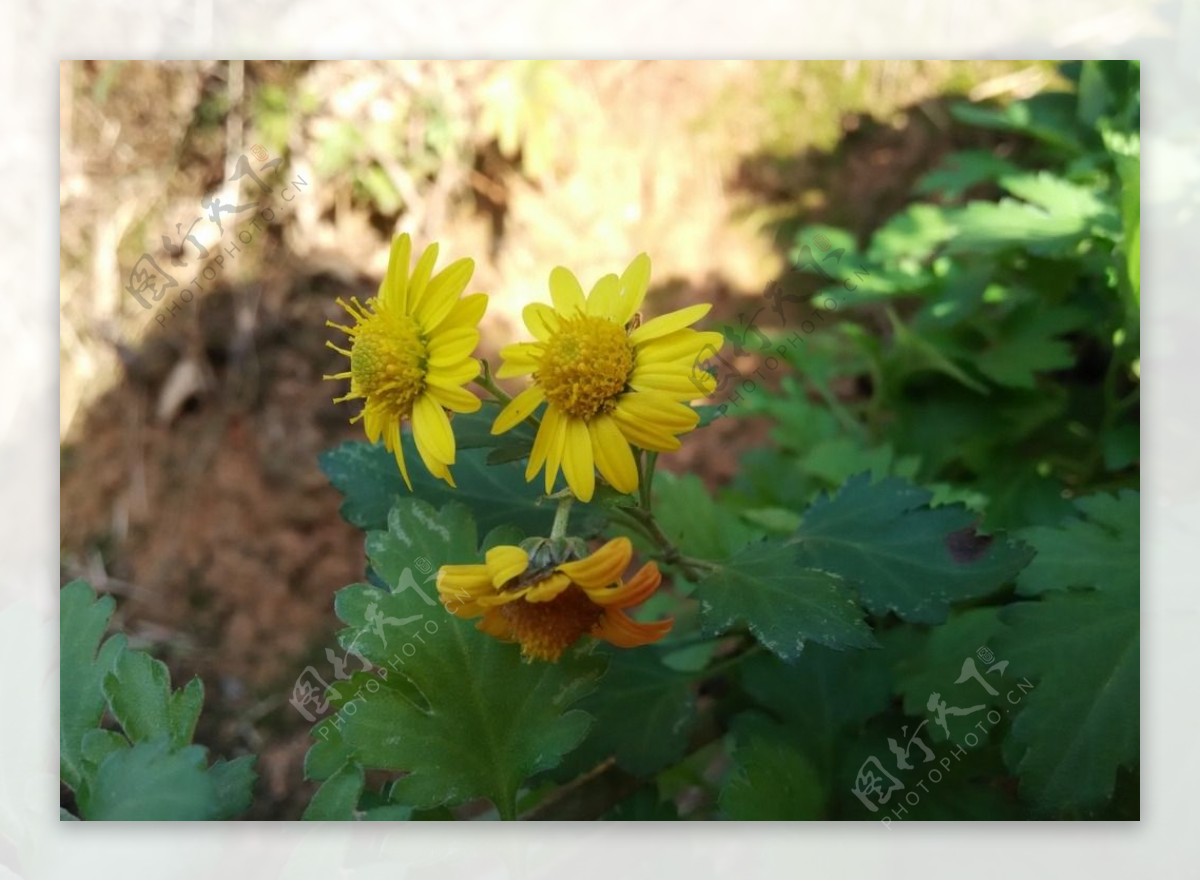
1080	724
694	521
150	782
771	780
233	780
1009	224
337	799
824	696
497	495
644	804
1100	548
139	695
963	170
902	555
83	620
644	714
461	713
784	605
1028	344
935	666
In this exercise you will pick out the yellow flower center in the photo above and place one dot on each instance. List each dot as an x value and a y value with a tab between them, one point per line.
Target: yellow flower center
585	366
545	630
388	361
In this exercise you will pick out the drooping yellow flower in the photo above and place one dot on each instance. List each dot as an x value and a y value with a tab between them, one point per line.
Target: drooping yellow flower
608	381
410	355
546	598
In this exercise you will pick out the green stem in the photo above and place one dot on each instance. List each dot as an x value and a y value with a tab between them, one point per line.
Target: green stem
646	479
731	661
670	554
484	380
561	516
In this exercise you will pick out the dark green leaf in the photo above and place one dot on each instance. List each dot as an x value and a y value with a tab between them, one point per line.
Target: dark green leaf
902	555
139	695
784	605
1100	548
234	783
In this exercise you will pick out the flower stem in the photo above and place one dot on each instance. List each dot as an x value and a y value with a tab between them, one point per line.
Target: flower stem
646	479
484	380
561	516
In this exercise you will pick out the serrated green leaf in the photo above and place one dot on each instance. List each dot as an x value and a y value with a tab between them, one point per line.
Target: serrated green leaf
770	779
84	663
233	781
138	690
1080	723
784	605
822	697
1100	548
1029	344
935	666
902	555
149	781
461	713
644	714
337	799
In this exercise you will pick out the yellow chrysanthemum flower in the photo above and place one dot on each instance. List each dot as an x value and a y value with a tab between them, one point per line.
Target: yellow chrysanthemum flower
550	596
608	381
410	355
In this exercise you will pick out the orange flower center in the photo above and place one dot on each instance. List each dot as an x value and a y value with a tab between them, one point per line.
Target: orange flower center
545	630
585	365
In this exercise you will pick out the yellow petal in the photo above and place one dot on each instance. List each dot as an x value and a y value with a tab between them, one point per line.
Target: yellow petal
682	345
554	452
605	299
602	568
393	436
637	432
466	312
431	429
456	399
634	281
461	584
672	321
443	292
451	346
393	291
565	292
680	384
546	590
541	320
453	375
520	359
519	409
504	563
551	423
420	278
613	456
496	625
577	463
658	411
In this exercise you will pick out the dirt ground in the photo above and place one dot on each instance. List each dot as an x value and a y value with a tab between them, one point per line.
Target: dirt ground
190	486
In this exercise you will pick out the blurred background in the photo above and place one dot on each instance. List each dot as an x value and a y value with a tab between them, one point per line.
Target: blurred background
211	212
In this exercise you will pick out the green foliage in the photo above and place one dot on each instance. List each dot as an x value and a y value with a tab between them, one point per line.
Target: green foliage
148	769
462	715
902	555
785	606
